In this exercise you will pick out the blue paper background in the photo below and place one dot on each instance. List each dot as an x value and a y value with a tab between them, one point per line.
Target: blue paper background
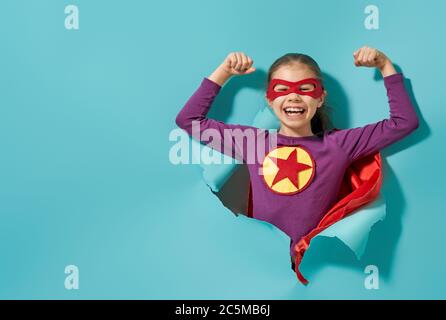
85	175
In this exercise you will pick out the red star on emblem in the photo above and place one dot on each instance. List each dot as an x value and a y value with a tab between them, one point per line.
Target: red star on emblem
289	168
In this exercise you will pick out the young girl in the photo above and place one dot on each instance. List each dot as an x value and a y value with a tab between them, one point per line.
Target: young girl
296	175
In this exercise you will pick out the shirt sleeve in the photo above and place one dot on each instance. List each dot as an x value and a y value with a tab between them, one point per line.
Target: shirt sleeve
366	140
230	139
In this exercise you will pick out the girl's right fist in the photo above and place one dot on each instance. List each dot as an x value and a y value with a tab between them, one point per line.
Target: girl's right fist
238	63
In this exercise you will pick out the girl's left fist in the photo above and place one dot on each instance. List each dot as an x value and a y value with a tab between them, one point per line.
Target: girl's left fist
369	57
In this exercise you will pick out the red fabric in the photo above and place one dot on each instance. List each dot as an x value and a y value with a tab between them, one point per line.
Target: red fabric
271	94
360	186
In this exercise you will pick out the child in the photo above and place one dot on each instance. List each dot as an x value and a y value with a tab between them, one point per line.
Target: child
296	175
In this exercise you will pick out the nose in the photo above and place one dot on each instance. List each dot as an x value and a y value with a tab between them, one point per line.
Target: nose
294	96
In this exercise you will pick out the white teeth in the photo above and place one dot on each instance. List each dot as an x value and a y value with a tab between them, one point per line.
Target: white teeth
294	109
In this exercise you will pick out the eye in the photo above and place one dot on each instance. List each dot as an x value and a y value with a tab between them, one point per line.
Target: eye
280	89
307	88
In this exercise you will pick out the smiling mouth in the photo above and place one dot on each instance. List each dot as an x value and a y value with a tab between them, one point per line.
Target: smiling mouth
294	111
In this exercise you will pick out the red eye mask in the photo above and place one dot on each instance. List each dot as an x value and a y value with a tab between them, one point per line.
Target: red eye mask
309	87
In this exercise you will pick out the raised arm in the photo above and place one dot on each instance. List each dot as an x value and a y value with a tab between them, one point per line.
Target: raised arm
362	141
230	139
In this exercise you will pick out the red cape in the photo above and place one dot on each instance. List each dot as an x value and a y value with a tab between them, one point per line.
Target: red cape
360	186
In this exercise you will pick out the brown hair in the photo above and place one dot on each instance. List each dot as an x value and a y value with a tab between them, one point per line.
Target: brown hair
321	121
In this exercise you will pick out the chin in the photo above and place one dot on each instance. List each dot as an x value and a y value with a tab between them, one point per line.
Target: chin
294	124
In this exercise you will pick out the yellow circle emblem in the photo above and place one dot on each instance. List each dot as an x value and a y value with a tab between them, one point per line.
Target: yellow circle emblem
288	170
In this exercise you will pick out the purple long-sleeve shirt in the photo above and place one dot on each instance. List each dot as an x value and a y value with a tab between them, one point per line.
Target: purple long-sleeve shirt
297	214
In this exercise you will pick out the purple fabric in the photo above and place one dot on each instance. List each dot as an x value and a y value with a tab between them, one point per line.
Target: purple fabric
333	152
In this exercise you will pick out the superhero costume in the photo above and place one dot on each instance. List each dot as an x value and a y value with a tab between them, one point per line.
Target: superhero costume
310	182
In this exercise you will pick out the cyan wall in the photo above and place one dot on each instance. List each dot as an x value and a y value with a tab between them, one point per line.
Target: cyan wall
86	180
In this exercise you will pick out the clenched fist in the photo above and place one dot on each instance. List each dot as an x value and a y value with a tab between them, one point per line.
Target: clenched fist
369	57
236	63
